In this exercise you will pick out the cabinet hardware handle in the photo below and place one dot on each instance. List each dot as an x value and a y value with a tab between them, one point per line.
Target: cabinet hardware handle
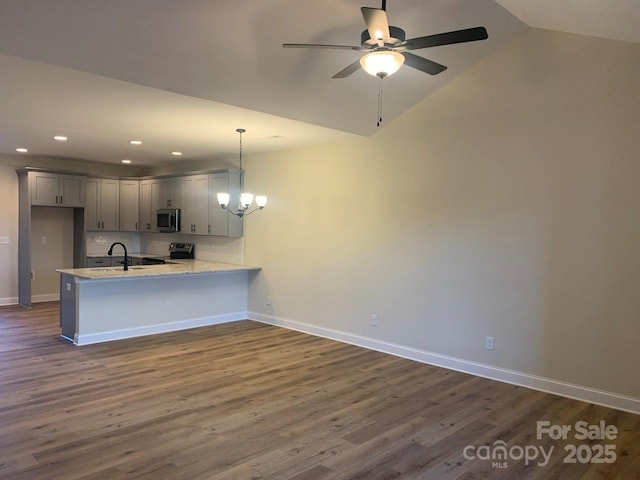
61	200
209	229
136	225
56	199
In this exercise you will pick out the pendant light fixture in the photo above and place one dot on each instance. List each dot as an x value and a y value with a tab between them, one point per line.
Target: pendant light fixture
246	199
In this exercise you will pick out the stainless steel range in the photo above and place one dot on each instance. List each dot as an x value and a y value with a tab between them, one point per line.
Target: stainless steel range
181	250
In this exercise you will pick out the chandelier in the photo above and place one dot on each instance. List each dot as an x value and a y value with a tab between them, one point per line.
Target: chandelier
246	198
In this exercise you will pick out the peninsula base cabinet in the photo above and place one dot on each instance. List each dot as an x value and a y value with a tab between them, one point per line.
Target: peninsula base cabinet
102	209
68	317
56	190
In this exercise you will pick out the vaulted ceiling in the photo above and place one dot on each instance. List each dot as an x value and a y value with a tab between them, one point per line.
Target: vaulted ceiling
182	76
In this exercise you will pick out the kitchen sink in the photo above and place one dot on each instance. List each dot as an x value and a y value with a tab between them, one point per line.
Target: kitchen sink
114	269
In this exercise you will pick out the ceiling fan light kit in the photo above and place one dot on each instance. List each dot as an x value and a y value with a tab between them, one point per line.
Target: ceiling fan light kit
382	37
382	63
387	49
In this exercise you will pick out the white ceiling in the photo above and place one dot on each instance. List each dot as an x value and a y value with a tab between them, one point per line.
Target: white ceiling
613	19
183	75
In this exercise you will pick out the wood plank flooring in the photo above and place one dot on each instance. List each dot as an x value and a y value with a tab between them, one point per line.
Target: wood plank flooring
250	401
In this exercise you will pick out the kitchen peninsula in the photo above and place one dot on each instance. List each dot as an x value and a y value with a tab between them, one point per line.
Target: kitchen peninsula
109	303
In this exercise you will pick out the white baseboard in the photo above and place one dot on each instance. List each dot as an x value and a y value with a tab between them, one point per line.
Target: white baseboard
578	392
45	297
8	301
90	338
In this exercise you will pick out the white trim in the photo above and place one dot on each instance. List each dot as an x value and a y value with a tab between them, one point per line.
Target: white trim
8	301
46	297
90	338
549	385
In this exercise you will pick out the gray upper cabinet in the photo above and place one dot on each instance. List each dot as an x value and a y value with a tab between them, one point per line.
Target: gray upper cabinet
56	190
196	197
171	192
102	210
221	222
195	209
129	205
149	204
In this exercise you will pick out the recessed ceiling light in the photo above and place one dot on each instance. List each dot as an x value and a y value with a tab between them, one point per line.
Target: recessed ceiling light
60	138
126	161
21	150
177	154
135	142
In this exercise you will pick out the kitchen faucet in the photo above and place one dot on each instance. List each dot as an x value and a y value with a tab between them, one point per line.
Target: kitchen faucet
126	257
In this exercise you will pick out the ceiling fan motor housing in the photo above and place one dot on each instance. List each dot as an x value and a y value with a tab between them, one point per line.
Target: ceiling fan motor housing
396	33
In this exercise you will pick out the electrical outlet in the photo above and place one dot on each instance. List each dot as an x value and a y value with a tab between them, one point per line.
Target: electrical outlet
68	287
375	321
44	240
167	305
489	343
268	299
4	240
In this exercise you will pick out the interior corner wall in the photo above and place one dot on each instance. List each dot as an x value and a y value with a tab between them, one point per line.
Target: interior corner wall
9	229
506	204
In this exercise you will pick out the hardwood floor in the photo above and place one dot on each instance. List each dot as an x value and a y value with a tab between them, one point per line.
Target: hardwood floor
250	401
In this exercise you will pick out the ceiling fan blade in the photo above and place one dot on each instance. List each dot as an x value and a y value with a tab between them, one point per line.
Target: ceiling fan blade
345	72
422	64
377	24
319	45
448	38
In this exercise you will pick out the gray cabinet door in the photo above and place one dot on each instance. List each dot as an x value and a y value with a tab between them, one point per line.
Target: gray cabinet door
129	205
44	188
109	205
72	191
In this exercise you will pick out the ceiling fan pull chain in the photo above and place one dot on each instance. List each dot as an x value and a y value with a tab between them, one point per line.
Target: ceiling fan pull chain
379	101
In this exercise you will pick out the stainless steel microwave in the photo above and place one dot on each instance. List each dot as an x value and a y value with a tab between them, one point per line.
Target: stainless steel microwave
168	219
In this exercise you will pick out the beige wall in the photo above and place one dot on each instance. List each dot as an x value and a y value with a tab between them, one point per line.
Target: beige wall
8	228
51	248
506	204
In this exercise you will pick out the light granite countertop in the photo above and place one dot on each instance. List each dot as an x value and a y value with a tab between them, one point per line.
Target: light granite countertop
178	267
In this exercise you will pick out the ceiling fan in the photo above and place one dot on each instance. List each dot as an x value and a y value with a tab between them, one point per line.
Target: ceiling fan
387	48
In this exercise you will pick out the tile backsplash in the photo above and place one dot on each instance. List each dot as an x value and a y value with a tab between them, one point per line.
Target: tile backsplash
217	249
98	243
